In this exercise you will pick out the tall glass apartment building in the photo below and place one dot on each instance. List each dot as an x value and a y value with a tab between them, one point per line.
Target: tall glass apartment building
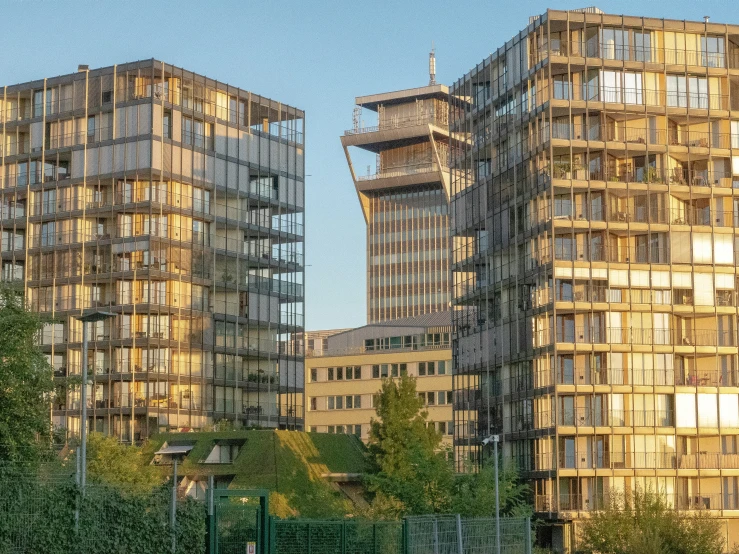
405	201
175	202
595	216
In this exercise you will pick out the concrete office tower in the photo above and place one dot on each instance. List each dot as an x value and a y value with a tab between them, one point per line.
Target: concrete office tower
175	202
595	245
405	201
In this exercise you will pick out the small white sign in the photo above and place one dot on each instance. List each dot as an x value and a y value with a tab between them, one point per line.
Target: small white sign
251	548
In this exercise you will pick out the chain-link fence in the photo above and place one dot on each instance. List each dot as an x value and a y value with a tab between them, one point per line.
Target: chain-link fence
450	534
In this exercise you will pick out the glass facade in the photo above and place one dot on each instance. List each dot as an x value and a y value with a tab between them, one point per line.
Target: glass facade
176	203
595	247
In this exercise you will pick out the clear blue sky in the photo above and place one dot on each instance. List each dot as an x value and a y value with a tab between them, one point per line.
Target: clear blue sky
316	55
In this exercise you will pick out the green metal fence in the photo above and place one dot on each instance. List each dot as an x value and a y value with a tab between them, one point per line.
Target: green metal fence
336	537
414	535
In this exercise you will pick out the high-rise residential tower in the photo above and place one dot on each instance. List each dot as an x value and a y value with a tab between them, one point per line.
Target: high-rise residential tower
405	200
175	202
596	209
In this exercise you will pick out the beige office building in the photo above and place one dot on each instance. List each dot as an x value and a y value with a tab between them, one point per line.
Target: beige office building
596	211
174	202
345	374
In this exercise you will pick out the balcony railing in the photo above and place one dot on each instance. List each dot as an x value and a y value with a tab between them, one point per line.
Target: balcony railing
631	335
631	52
404	171
400	122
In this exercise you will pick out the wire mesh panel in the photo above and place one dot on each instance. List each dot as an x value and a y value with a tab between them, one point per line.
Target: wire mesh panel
442	535
336	537
368	537
238	525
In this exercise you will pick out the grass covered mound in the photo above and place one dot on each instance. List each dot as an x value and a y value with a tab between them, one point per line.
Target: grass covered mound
290	464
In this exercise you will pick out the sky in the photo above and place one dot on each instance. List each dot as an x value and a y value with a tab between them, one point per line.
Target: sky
317	55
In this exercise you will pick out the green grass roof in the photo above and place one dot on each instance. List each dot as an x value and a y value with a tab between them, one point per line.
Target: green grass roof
291	464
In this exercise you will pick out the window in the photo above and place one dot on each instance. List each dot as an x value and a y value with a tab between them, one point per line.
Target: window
358	430
330	403
676	91
357	372
107	96
349	402
313	403
314	429
187	137
357	401
339	402
375	371
331	374
167	124
339	373
698	92
441	368
313	375
91	126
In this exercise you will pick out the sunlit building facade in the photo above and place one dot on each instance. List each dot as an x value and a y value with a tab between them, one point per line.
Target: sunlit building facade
404	200
345	369
595	214
174	202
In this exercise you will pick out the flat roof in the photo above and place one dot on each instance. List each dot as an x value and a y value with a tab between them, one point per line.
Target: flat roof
154	64
175	449
399	96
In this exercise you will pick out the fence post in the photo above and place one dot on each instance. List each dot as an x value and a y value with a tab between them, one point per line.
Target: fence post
173	508
211	517
436	536
460	545
406	537
77	493
528	535
343	536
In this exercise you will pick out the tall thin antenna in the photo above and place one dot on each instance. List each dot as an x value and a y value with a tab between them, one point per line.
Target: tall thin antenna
357	118
432	65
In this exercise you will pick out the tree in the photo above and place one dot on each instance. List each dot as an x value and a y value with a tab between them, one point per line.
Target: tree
405	452
26	382
644	522
112	463
474	493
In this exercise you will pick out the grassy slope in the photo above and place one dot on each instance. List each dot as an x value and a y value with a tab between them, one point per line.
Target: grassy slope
288	463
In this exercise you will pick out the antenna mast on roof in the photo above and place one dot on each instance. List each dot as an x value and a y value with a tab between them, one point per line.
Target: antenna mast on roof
432	65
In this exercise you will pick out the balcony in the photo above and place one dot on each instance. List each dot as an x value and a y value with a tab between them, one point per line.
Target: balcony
401	122
406	171
630	52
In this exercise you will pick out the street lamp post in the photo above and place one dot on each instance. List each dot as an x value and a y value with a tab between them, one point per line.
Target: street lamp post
495	439
85	319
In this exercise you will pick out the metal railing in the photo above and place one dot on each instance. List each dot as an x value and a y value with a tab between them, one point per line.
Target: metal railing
404	171
400	122
630	52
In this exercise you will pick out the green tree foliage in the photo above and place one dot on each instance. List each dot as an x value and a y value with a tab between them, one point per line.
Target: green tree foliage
39	516
26	381
112	463
404	450
412	476
474	493
644	523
